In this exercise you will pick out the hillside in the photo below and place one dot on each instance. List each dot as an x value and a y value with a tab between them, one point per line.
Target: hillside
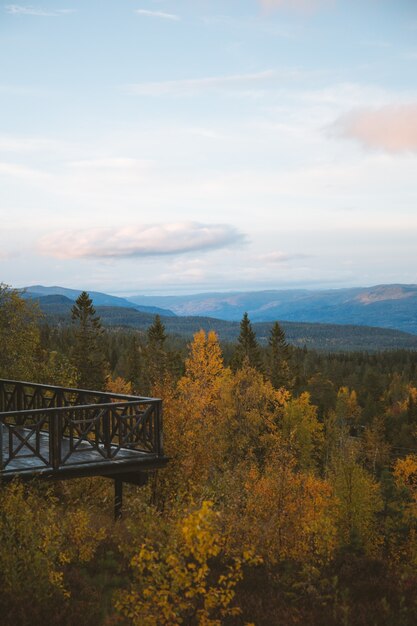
385	306
99	299
325	337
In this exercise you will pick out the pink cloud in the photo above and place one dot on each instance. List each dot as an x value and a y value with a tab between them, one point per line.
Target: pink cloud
392	128
139	241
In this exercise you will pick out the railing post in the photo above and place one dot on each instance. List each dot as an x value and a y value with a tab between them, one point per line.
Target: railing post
20	403
159	429
55	428
2	397
106	432
54	441
20	398
1	445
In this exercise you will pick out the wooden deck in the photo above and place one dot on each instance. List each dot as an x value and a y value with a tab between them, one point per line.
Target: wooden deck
57	433
85	461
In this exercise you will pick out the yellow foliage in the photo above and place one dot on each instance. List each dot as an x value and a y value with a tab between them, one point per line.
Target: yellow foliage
204	374
119	385
195	415
285	514
405	474
216	419
302	429
175	582
359	500
29	524
347	409
412	393
38	543
83	537
254	411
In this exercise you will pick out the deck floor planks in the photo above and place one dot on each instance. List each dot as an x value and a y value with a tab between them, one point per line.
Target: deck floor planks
85	454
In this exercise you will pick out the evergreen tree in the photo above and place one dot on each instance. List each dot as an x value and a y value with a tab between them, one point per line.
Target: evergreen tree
247	346
87	352
134	364
155	354
156	333
278	359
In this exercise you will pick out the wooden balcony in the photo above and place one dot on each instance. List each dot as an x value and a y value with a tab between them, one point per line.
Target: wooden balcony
59	433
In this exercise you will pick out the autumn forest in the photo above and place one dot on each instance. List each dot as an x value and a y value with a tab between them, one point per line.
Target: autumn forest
290	496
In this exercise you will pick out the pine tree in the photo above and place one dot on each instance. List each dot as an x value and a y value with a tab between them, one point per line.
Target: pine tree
278	359
156	333
87	353
155	354
247	346
134	364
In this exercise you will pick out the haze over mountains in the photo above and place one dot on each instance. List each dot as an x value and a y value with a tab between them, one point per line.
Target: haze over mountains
386	306
99	298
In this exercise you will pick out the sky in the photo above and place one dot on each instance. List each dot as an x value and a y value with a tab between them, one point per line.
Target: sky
175	146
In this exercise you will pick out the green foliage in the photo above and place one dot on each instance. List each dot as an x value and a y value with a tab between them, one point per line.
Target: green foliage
134	363
19	336
156	356
87	352
332	338
278	359
359	500
39	543
247	348
156	333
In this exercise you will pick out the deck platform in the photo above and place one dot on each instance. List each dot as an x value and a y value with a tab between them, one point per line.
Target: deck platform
86	461
59	433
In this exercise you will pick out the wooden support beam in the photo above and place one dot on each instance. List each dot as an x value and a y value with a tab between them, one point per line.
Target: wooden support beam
118	498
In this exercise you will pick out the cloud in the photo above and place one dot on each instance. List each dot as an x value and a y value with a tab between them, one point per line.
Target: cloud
139	241
6	256
116	163
17	9
392	128
275	257
280	257
194	85
160	14
9	143
303	5
20	171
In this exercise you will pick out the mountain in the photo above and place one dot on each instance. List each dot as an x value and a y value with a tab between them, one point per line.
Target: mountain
99	299
385	306
325	337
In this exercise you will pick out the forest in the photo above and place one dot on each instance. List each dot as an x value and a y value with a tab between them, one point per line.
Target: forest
290	496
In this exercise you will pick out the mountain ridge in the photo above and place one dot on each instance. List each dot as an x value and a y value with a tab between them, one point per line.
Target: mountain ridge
99	298
324	337
386	306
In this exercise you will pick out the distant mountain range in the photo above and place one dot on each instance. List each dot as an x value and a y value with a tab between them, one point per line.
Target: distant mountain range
37	292
319	336
386	306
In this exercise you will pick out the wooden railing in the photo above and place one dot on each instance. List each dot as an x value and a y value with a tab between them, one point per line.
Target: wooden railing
58	426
